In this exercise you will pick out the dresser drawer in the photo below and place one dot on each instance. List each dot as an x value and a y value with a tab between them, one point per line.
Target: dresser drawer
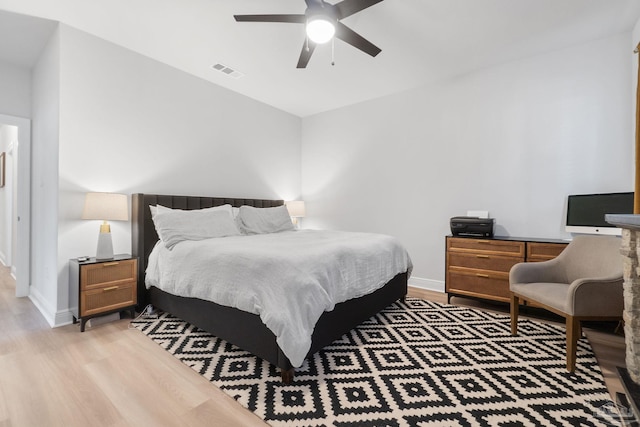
466	244
106	274
538	251
479	267
483	261
107	297
483	284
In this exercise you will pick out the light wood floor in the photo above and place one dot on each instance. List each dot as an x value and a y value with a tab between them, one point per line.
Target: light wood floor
113	376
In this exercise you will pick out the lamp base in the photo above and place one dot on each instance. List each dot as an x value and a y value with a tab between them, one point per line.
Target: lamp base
296	222
105	246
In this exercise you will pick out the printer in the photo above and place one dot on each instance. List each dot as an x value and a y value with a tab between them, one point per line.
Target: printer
472	226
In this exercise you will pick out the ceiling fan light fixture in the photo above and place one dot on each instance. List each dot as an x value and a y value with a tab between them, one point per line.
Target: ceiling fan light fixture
323	23
320	28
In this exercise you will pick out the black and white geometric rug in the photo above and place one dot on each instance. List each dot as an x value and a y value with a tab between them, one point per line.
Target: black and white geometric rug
417	363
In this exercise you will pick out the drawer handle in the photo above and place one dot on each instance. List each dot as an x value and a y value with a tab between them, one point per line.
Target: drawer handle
486	276
111	288
482	256
484	241
109	264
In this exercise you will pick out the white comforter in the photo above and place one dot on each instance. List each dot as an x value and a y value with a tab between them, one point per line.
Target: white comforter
289	279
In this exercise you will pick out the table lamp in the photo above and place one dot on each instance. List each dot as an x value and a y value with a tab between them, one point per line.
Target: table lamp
105	207
296	210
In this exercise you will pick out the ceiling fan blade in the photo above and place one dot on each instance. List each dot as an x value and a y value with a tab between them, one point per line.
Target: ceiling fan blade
349	7
305	55
294	19
347	35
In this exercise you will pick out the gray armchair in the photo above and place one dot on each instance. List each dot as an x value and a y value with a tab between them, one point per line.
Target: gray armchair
583	283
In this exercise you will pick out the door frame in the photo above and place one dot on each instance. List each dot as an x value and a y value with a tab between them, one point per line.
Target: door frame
22	258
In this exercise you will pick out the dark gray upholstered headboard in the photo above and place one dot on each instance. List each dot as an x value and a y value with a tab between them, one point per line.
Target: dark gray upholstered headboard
143	232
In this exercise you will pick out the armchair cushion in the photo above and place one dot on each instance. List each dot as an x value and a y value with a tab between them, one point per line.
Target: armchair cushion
550	294
584	280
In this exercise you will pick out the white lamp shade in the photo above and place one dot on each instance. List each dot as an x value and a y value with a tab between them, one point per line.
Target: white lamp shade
296	208
106	207
320	29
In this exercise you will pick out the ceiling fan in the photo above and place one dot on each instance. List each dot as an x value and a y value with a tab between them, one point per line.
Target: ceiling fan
322	21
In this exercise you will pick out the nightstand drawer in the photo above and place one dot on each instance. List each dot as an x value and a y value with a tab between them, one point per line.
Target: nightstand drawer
107	297
107	274
102	286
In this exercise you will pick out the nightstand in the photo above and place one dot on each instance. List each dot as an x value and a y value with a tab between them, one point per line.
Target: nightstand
99	287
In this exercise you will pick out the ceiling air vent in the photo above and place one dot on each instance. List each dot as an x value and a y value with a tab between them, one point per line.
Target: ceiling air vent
227	70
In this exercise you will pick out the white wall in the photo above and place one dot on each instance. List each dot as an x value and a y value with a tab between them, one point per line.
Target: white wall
44	179
635	58
15	87
130	124
8	139
13	154
513	139
5	204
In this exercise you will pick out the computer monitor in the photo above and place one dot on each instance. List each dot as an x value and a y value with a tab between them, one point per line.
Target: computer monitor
585	212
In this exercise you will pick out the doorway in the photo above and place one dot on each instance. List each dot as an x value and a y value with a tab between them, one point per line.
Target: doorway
19	152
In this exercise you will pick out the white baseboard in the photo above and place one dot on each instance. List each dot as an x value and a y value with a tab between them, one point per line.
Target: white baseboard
63	318
54	318
12	272
428	284
43	306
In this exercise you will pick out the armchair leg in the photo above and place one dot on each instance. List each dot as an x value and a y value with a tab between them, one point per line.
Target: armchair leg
514	309
574	330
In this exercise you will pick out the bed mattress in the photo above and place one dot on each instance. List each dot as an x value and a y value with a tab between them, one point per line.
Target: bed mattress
289	279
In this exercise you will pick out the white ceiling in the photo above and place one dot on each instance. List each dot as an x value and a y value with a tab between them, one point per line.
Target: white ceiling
421	40
22	38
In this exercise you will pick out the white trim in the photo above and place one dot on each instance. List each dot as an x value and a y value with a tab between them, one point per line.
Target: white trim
43	306
54	319
428	284
22	259
12	270
63	318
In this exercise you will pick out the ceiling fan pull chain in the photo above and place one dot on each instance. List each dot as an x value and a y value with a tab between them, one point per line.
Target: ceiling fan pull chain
333	45
306	38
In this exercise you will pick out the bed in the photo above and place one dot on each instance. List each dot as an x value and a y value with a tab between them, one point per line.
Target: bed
244	329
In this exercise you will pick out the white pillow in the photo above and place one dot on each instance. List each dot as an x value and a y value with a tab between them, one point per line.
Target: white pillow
264	220
160	208
232	211
175	225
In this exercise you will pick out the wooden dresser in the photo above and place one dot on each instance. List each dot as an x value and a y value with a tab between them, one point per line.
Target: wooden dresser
479	267
99	287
